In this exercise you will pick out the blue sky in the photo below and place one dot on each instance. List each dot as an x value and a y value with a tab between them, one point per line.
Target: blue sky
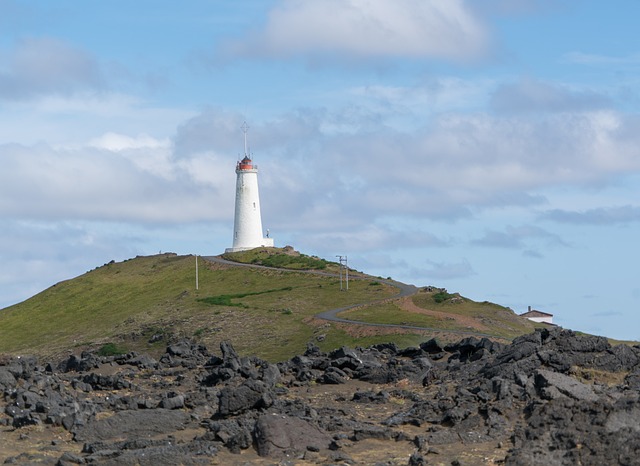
491	147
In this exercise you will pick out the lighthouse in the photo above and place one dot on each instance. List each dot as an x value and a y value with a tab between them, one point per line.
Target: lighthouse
247	223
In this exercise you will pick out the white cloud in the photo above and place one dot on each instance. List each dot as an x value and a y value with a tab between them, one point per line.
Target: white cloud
119	142
429	96
520	237
369	29
598	216
212	128
492	155
448	270
139	185
317	179
530	96
532	253
44	65
70	121
369	238
145	152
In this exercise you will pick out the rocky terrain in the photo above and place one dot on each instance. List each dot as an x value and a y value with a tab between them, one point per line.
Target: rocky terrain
550	397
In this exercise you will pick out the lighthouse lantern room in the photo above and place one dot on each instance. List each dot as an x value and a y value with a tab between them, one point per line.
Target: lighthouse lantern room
247	224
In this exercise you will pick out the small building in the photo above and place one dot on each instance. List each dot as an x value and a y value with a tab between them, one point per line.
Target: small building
538	316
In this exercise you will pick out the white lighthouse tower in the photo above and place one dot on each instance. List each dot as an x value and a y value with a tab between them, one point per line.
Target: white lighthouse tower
247	224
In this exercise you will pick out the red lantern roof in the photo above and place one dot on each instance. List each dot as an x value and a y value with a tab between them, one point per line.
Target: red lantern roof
245	164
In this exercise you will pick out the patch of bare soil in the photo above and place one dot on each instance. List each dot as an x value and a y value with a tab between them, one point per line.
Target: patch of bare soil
44	442
362	331
464	321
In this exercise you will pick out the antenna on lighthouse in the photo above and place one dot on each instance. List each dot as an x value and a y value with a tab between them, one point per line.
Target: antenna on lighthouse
245	129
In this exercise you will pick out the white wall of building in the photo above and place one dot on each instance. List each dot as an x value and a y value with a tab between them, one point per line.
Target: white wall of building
546	320
247	225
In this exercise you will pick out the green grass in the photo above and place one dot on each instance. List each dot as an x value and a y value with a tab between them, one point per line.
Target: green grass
142	304
390	313
501	320
225	299
261	311
111	349
496	320
441	296
285	258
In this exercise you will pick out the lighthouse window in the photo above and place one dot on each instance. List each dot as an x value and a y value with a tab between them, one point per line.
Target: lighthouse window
254	205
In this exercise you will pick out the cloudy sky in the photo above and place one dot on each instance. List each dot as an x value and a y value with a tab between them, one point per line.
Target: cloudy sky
491	147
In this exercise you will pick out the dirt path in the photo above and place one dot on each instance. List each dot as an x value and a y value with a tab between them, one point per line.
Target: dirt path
465	321
404	294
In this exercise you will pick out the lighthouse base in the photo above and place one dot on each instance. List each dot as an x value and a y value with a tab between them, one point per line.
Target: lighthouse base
266	243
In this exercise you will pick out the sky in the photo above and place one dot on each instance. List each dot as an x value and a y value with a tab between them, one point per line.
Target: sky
490	147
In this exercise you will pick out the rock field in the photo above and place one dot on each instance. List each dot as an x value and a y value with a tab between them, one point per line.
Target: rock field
550	397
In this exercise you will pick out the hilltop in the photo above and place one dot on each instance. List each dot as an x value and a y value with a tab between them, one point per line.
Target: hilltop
427	377
144	303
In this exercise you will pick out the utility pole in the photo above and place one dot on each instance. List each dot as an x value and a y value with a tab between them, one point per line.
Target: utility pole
343	263
196	272
346	270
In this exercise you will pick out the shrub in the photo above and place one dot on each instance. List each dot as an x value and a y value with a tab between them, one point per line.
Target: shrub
225	299
285	261
221	300
269	258
111	349
441	296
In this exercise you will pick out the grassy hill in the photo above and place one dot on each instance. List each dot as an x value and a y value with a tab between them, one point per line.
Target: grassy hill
143	303
449	313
